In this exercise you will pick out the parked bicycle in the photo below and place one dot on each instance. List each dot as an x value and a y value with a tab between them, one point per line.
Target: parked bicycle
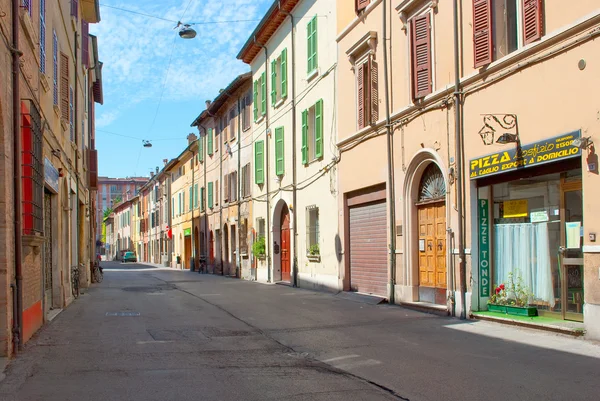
75	281
97	273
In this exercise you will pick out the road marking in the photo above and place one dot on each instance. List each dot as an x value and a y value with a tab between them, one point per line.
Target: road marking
154	342
339	358
122	313
348	366
156	293
207	295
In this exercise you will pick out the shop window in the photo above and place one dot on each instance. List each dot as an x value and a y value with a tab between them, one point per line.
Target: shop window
32	170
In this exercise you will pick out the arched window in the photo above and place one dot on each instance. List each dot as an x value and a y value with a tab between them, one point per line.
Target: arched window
432	185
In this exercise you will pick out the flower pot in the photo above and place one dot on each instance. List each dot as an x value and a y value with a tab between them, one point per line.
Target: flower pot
497	308
521	311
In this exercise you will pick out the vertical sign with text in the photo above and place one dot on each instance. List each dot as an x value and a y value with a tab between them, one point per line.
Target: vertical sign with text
484	249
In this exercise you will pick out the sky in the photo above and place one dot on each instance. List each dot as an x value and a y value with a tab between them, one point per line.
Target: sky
155	83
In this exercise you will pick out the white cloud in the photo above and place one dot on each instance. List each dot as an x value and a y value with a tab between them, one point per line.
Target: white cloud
104	119
138	50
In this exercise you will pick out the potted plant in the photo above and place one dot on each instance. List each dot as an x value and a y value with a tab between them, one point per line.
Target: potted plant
258	248
512	298
313	253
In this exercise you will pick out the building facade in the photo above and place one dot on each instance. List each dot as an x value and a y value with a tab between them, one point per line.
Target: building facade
479	186
47	139
293	58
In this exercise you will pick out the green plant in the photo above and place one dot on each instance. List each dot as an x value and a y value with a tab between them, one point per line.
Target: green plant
513	293
258	248
314	250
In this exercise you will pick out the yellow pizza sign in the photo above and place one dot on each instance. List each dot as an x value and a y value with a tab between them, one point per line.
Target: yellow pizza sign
535	154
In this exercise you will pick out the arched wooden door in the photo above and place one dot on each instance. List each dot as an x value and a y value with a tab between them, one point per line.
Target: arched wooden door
285	244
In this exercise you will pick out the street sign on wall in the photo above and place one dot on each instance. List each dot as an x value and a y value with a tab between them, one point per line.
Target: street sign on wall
484	249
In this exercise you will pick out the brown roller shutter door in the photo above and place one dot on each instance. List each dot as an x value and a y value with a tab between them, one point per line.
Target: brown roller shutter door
368	249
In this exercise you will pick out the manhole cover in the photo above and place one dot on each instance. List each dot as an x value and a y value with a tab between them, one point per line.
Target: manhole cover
122	313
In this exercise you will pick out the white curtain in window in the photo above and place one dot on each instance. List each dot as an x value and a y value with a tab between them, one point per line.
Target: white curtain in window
524	250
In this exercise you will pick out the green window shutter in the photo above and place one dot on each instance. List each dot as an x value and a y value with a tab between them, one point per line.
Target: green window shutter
319	128
279	159
314	43
263	94
305	137
284	73
209	139
273	82
210	195
201	149
259	162
202	200
255	100
195	195
191	205
309	67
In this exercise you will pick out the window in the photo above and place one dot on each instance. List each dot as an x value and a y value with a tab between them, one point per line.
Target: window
216	192
311	44
246	186
312	133
28	6
259	162
32	170
226	180
367	95
210	195
279	78
195	195
360	5
246	104
421	55
191	203
232	123
496	27
42	36
244	237
233	186
113	188
260	223
55	67
180	206
312	230
209	141
64	87
85	43
223	127
71	115
279	151
260	97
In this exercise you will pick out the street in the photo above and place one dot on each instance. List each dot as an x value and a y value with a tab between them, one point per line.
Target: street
146	333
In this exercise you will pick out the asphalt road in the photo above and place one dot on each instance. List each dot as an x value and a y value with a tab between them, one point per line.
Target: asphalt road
159	334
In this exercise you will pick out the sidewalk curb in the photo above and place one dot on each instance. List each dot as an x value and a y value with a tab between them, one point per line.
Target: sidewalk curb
537	326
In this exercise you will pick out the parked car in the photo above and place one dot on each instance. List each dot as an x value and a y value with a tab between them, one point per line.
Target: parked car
129	257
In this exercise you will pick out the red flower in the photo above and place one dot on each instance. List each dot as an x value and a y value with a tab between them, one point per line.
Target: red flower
501	286
498	290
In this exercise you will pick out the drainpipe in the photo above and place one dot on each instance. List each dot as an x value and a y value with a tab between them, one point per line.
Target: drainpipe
390	165
16	53
192	203
75	109
238	269
268	228
221	206
459	167
294	174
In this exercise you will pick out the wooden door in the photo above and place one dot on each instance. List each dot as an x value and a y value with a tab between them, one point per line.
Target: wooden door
285	244
432	245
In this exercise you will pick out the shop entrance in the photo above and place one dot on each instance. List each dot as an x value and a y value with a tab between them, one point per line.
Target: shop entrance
285	244
431	213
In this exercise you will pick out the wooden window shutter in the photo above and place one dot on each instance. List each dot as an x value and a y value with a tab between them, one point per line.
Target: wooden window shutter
209	139
201	149
305	137
279	150
64	86
263	94
226	187
273	82
421	48
374	91
259	168
482	32
360	84
309	67
319	128
190	205
532	20
284	73
210	195
216	192
361	5
255	100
